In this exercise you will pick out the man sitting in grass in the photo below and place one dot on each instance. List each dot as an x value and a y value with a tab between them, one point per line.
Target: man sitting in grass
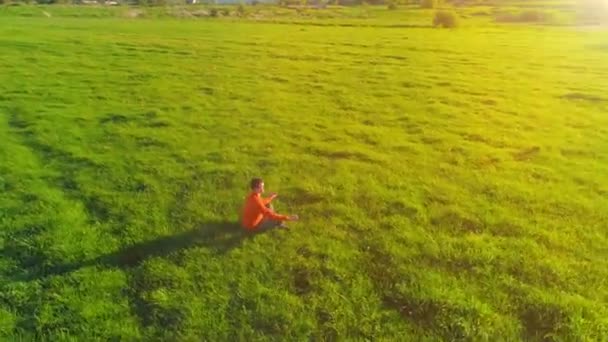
258	213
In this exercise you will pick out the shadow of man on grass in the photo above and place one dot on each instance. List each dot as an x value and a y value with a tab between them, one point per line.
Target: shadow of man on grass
220	237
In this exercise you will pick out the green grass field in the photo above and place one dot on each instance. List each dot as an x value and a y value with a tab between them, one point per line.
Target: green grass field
451	184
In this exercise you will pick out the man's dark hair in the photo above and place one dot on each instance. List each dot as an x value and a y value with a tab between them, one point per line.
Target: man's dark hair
256	183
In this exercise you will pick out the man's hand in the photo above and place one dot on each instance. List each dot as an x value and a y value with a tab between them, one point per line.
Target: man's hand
293	218
273	195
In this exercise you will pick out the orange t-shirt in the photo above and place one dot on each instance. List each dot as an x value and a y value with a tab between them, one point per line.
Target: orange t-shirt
255	210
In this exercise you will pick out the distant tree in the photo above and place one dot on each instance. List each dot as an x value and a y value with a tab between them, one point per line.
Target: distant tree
429	3
530	16
445	19
151	2
240	10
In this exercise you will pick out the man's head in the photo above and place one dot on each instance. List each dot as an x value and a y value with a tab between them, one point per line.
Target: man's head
257	185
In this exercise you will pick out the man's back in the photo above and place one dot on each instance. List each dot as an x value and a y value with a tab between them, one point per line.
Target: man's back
251	215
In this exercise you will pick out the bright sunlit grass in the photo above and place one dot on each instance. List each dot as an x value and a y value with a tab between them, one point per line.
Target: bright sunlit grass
451	183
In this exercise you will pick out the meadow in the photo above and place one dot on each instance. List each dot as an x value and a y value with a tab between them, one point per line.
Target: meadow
452	184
